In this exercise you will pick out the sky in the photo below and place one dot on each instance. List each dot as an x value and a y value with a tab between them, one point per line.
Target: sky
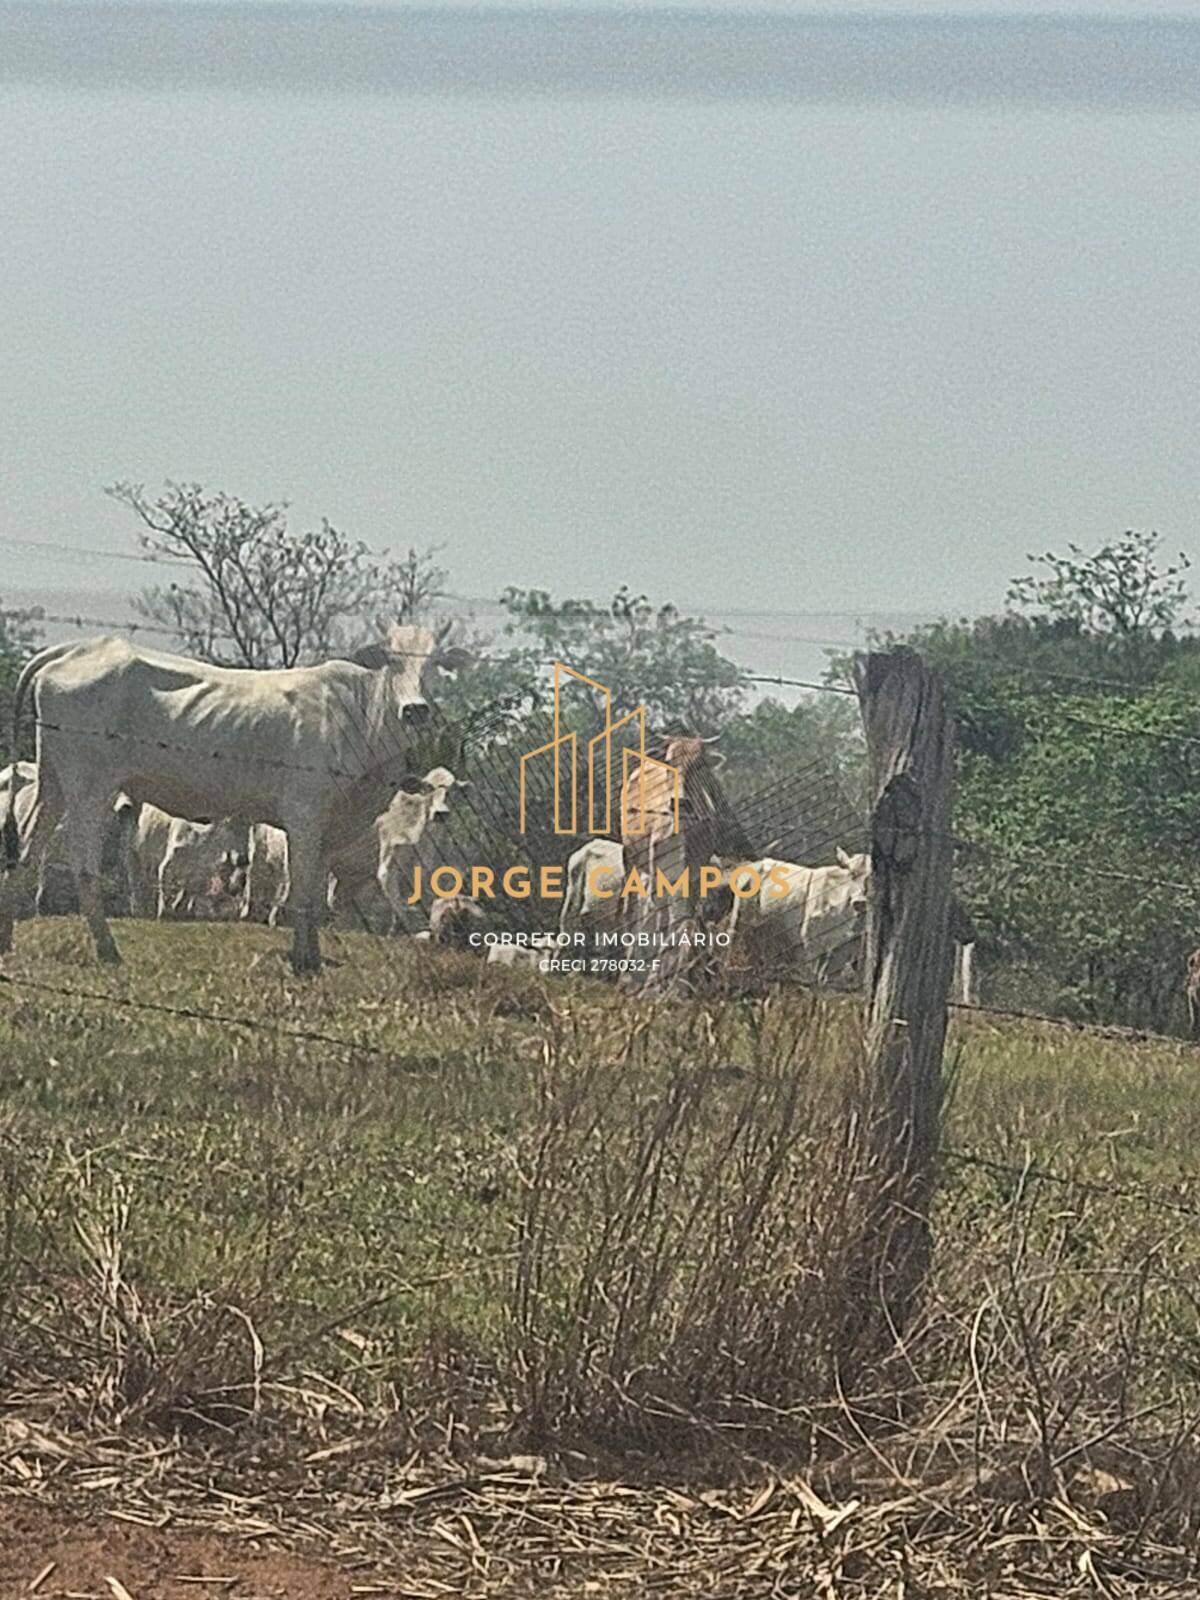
791	347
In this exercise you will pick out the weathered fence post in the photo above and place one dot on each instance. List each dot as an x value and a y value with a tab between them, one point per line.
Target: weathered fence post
910	743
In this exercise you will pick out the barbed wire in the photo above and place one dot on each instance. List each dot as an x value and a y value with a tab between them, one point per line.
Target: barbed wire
997	669
1091	1186
1025	1171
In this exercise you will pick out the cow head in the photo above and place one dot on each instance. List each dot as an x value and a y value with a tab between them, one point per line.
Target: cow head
437	786
858	871
420	809
453	920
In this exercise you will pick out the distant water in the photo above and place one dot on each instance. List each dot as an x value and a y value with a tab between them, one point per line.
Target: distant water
1050	60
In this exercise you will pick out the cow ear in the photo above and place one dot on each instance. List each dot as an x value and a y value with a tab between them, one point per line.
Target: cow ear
453	659
372	656
843	858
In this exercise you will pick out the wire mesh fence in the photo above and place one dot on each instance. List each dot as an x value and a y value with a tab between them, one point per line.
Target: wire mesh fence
1065	928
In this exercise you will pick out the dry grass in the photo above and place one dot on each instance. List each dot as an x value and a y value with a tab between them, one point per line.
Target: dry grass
550	1291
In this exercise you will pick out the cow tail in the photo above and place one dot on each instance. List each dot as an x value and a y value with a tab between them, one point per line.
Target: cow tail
10	837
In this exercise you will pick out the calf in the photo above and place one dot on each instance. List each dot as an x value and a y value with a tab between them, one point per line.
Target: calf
452	922
177	868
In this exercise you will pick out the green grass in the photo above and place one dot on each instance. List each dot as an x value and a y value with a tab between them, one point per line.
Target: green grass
545	1185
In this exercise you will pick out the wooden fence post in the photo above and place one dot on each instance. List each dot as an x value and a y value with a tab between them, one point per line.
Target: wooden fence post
910	743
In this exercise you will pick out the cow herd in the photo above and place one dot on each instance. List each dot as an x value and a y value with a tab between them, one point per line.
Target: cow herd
290	796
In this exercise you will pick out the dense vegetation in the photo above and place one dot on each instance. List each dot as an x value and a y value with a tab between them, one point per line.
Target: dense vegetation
1079	778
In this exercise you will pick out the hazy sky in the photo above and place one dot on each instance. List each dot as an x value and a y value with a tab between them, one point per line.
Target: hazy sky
790	354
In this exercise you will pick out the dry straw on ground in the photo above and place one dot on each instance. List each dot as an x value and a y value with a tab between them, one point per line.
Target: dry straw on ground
606	1331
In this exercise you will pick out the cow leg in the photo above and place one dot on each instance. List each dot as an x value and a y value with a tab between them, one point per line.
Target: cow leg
966	974
161	906
86	827
41	820
41	899
306	898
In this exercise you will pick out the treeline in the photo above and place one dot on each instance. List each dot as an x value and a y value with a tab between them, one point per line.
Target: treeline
1077	817
1078	804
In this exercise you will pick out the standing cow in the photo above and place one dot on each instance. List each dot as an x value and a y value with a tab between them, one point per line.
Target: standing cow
806	918
592	898
175	867
813	919
316	751
410	833
379	861
54	887
674	822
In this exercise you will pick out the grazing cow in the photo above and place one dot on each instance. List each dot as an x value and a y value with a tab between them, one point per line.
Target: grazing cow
453	920
815	924
316	751
595	873
176	866
1193	994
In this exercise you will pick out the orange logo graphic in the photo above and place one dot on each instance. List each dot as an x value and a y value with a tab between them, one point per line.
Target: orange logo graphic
600	767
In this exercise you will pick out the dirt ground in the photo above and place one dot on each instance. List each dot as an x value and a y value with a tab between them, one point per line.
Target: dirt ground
108	1559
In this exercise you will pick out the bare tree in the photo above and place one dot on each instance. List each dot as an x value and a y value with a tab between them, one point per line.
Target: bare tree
256	594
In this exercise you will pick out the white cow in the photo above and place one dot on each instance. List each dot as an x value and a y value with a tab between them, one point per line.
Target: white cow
529	955
266	888
51	857
595	873
409	833
380	861
817	924
175	866
51	866
316	751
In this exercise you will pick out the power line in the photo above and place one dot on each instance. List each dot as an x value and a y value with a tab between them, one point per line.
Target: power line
491	602
147	558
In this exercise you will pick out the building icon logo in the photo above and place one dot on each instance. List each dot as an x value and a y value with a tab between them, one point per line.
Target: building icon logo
648	786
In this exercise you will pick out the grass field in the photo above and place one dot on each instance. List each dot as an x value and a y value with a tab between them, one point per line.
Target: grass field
501	1217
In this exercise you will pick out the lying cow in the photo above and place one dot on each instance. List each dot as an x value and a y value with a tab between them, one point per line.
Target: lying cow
453	920
316	751
179	868
529	955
